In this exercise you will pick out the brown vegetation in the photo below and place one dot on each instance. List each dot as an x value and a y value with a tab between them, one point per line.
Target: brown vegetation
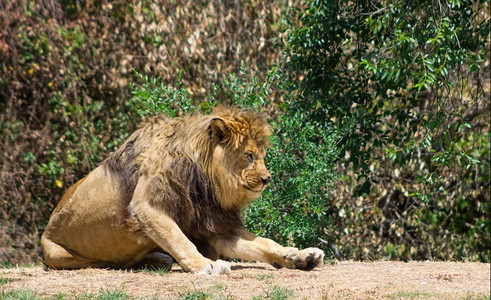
65	68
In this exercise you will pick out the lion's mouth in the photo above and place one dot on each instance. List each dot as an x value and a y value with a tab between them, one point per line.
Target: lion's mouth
255	190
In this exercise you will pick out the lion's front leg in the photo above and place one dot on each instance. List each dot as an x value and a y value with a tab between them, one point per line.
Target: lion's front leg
165	232
167	235
248	246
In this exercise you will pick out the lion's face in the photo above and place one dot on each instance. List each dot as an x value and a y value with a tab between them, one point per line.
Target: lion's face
242	170
254	176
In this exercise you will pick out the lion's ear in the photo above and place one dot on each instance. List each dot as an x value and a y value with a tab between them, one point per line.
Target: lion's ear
218	131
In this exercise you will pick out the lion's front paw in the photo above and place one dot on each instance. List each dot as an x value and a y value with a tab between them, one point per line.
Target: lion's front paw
306	259
218	267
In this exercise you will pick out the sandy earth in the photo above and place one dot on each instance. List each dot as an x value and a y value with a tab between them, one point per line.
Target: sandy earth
345	280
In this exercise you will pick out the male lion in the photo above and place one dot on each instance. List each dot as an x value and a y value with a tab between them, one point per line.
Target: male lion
175	186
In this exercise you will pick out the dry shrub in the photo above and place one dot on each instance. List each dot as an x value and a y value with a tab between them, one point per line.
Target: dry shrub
64	73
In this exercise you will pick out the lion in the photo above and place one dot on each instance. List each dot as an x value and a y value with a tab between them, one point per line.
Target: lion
173	191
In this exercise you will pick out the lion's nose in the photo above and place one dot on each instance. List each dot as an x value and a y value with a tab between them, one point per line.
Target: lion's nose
265	179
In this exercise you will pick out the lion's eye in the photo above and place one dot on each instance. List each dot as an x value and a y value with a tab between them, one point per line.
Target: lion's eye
250	156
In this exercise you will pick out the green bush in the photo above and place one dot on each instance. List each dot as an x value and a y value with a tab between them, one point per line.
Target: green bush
301	161
405	81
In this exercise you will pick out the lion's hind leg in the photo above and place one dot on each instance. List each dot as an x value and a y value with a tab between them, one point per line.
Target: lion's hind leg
58	257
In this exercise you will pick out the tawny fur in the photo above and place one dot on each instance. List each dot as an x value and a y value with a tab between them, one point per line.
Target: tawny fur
178	186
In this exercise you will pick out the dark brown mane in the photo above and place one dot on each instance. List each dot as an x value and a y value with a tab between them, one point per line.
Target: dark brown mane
122	163
186	195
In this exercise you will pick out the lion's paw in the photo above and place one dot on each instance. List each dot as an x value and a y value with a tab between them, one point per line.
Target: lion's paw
218	267
306	259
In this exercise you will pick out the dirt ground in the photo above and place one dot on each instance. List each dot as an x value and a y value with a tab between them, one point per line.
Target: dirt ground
344	280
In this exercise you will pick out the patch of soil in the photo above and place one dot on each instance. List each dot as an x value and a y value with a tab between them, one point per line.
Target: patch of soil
361	280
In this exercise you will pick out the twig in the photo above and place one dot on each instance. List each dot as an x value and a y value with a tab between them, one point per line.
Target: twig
329	242
372	13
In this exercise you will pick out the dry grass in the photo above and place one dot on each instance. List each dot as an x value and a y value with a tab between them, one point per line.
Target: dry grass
360	280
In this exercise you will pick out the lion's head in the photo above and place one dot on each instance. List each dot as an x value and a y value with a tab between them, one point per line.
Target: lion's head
238	140
227	148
